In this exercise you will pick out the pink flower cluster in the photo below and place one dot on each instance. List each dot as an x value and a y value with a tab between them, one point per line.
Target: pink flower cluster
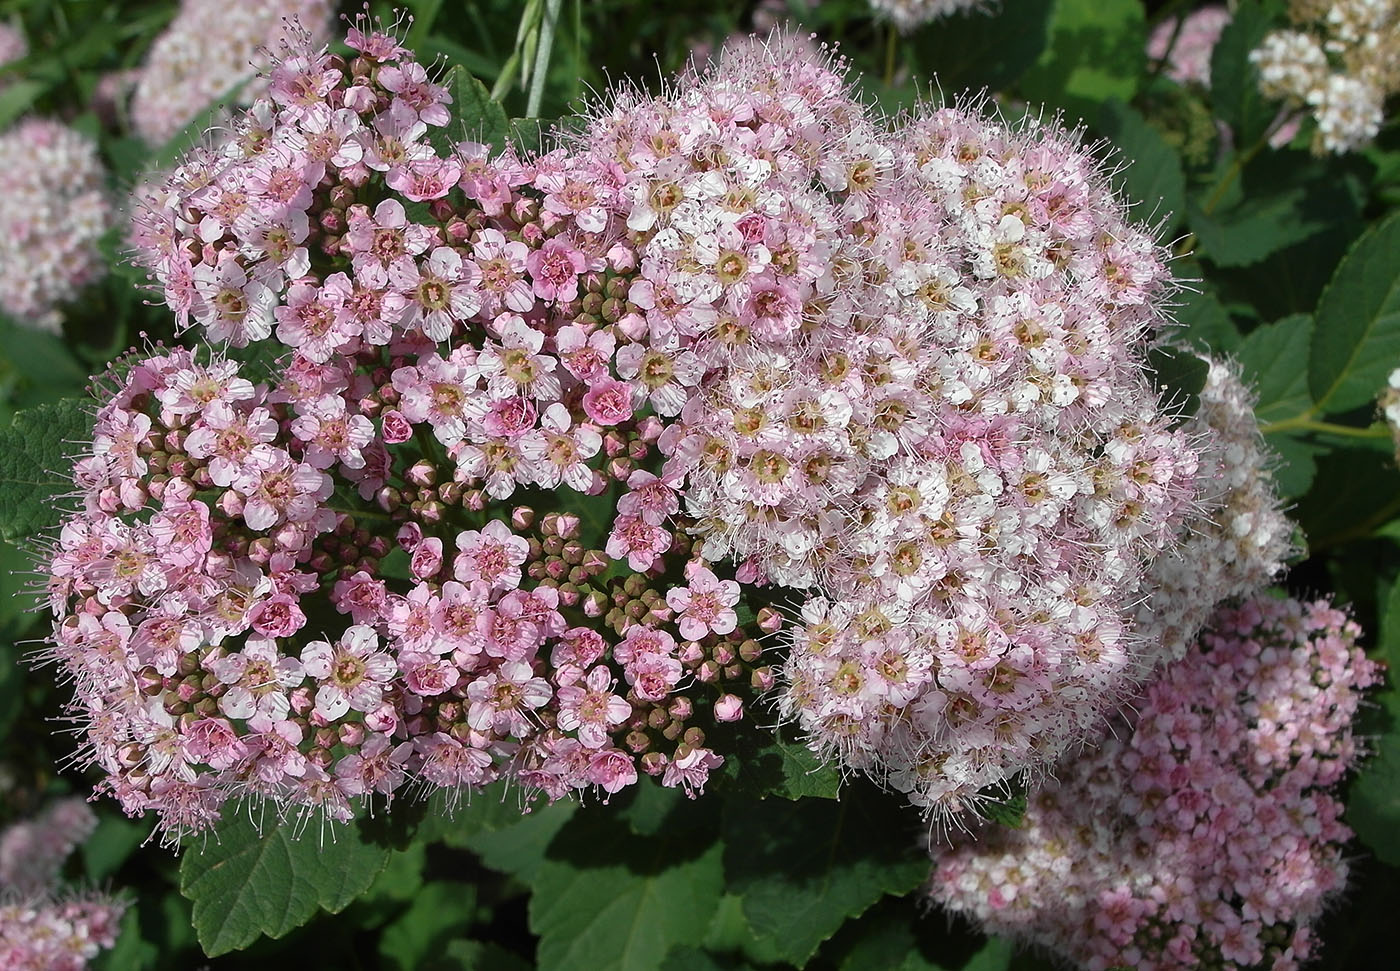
311	587
1206	832
56	210
212	51
901	371
39	930
1187	44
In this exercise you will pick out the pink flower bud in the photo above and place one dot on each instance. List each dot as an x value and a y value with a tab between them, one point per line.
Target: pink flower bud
729	708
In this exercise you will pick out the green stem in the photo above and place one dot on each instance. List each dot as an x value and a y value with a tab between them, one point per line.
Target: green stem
1360	531
1305	423
544	44
891	46
506	79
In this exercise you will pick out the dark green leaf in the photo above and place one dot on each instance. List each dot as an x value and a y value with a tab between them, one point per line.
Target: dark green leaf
1152	178
1205	323
439	912
1356	342
1373	805
495	829
804	867
771	764
245	884
1288	198
982	49
35	468
1179	376
1234	81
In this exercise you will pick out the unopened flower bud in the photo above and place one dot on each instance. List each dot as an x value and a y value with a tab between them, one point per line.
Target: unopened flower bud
729	708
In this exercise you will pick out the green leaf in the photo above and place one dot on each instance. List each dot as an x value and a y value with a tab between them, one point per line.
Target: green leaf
1179	376
804	867
475	115
594	910
494	828
1297	463
1234	81
1274	359
132	951
35	465
976	49
1286	198
1356	342
694	959
245	884
439	913
1152	179
16	97
1373	804
1009	812
1096	52
115	839
771	764
1205	323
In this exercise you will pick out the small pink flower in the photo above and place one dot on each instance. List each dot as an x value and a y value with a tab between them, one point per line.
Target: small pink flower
637	540
612	769
608	401
706	605
691	770
592	711
492	554
554	270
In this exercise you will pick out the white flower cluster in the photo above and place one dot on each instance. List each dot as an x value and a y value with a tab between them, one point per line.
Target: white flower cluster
1390	408
209	48
906	15
1238	541
1341	63
56	208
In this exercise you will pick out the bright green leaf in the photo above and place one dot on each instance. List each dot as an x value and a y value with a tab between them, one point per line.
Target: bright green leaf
1096	52
1356	342
612	916
245	884
16	97
35	464
1275	363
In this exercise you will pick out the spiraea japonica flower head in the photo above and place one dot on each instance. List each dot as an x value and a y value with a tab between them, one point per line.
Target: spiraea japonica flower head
908	15
1338	63
1207	829
56	211
41	925
549	434
212	49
